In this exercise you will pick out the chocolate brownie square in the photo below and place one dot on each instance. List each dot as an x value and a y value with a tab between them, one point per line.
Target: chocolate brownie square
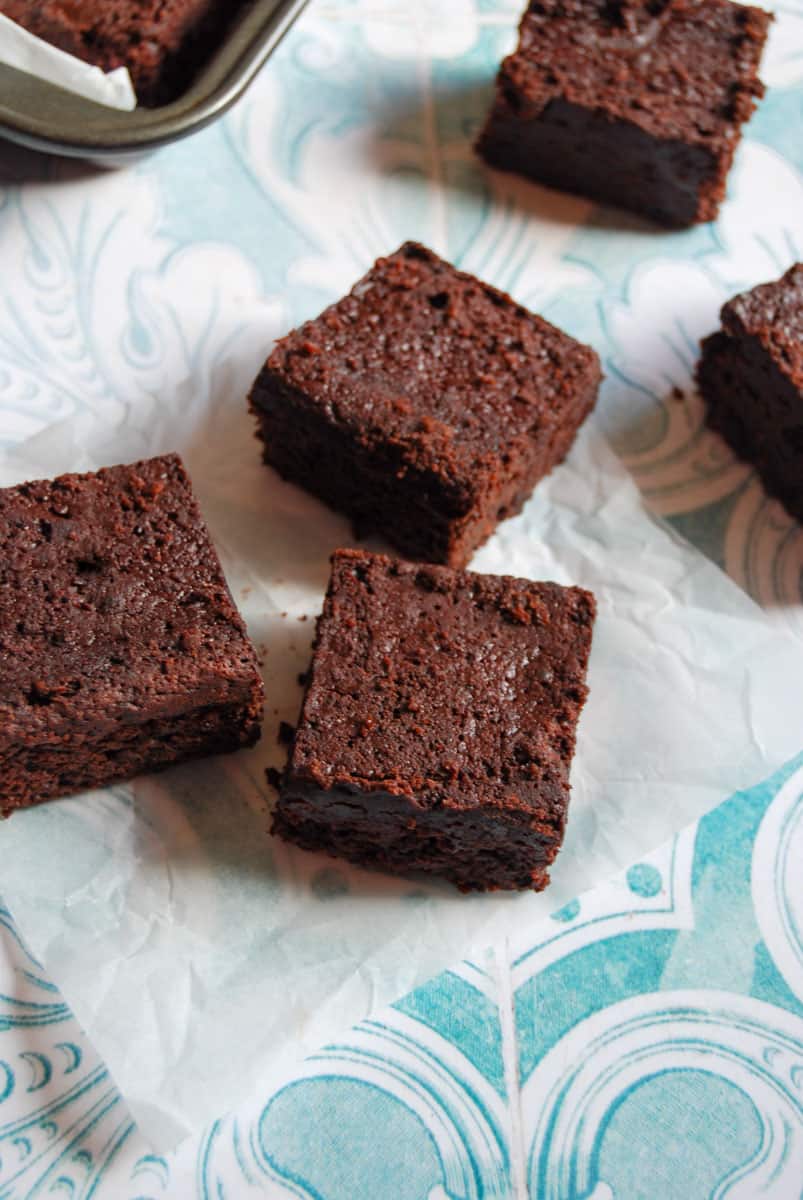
751	379
426	405
631	103
161	42
121	650
438	725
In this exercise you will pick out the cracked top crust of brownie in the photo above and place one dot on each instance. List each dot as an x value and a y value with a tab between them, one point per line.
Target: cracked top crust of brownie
113	603
454	689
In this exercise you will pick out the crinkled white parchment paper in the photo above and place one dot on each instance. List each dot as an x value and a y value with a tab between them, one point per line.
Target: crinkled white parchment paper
20	49
203	957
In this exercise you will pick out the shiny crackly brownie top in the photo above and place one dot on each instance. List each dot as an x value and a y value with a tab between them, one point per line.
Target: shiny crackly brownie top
449	687
681	69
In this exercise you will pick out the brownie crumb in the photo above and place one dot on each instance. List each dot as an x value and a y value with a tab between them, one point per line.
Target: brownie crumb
286	733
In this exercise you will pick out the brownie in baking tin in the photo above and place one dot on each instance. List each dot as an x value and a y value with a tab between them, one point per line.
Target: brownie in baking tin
425	404
751	379
121	650
439	721
163	43
634	104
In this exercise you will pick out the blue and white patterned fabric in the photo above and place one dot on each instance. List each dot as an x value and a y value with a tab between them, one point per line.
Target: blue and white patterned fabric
646	1042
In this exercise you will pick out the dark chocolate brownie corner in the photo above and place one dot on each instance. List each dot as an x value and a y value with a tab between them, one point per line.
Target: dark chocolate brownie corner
439	722
634	103
121	650
425	404
751	379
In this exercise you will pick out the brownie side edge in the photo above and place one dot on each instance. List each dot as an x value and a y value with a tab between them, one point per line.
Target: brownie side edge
758	411
36	773
476	851
384	495
662	180
373	486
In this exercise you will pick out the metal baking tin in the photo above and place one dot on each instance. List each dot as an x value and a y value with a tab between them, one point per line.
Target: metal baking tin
44	117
